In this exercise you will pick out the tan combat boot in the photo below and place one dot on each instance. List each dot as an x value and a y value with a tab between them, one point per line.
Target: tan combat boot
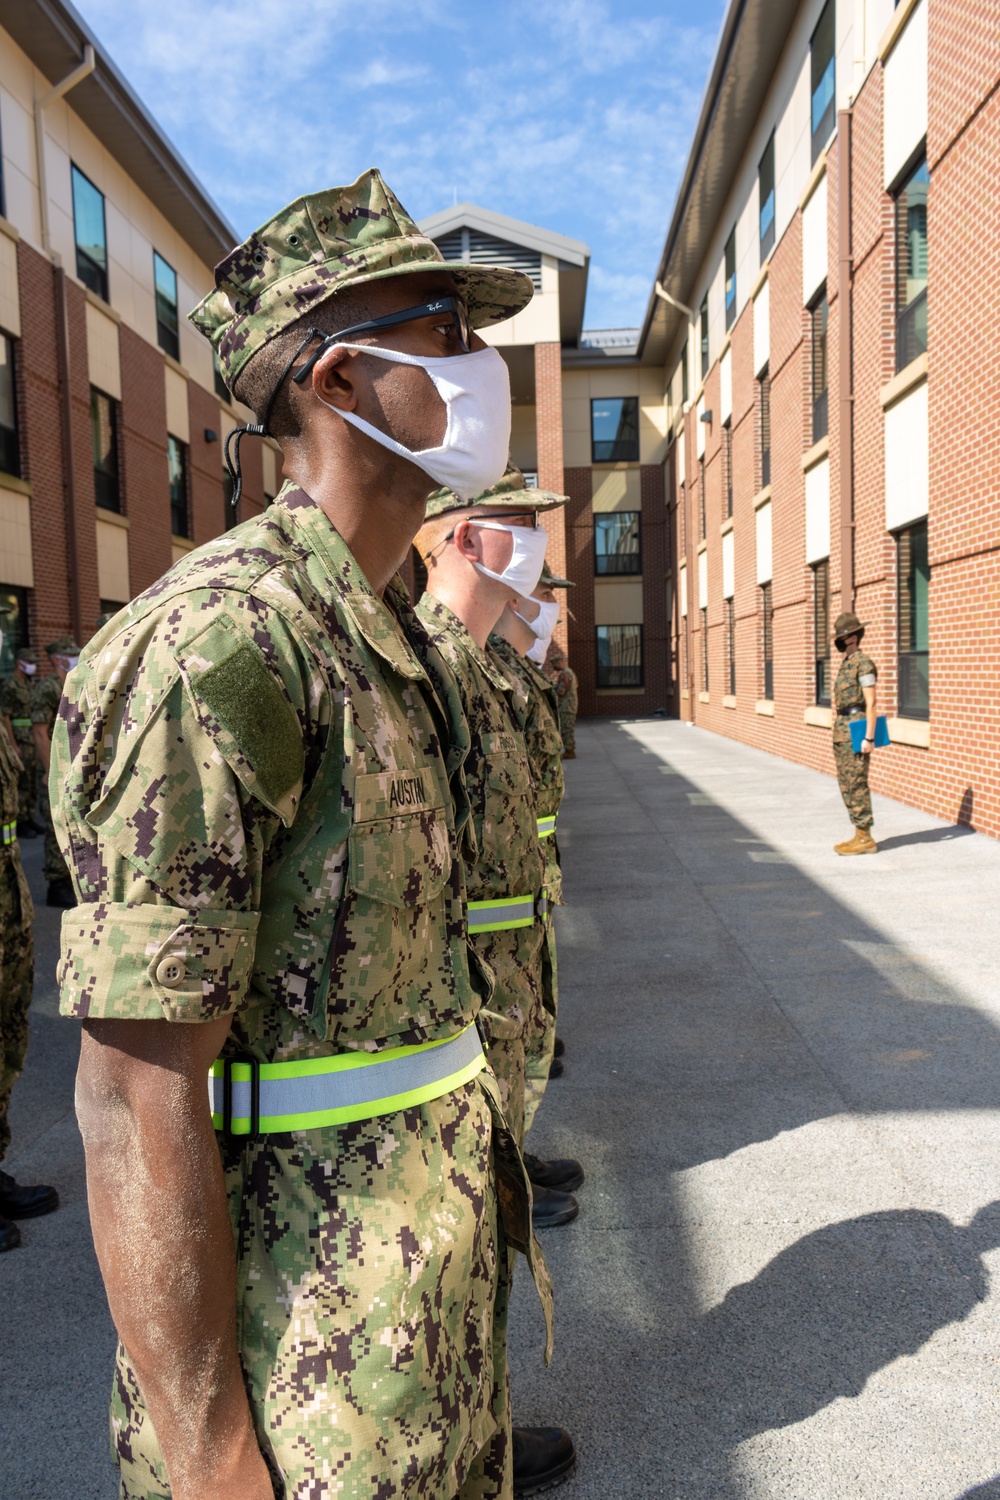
861	843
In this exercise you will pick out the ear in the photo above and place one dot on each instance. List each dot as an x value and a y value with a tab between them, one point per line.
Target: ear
466	540
334	378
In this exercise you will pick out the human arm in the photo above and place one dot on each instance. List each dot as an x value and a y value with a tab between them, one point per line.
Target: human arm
43	745
7	729
869	739
164	1242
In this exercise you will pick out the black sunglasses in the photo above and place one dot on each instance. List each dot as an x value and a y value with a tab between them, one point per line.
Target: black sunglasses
454	307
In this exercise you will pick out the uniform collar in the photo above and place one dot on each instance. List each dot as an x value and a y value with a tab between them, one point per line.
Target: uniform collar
484	660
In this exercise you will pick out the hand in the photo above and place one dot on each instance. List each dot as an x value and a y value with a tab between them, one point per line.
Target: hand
867	746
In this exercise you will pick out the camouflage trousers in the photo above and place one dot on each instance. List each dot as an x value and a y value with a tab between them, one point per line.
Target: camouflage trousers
541	1046
852	778
27	783
373	1281
54	866
17	967
567	720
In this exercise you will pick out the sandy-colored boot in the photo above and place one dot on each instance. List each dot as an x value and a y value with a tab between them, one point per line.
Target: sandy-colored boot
861	843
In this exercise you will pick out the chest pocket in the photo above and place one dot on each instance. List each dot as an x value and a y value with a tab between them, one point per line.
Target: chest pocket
506	764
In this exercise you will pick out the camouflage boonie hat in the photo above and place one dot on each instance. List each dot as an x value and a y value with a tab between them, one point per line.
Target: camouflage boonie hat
64	646
342	236
509	493
549	580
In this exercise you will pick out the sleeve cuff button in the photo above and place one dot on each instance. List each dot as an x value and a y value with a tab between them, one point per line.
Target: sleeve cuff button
170	972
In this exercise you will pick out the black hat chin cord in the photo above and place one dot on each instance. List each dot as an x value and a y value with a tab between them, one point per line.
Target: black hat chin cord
232	454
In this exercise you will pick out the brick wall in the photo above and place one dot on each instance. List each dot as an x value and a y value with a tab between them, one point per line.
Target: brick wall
549	428
145	479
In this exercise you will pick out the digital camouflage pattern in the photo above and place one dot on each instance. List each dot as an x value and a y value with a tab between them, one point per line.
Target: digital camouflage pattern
15	705
254	777
510	491
502	854
17	950
320	243
45	698
564	681
544	745
856	672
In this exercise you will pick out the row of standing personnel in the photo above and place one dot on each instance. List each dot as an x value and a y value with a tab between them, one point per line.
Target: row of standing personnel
308	865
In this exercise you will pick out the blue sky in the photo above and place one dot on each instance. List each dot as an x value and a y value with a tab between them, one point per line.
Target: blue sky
577	117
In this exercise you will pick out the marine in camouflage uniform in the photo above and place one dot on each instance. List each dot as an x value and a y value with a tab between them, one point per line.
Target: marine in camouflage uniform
15	706
263	809
857	672
45	698
564	680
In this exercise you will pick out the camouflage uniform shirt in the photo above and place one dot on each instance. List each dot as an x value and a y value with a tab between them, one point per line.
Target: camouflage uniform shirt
15	704
251	775
544	745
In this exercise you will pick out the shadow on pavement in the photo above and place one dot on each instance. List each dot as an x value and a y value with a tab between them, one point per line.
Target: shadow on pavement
925	836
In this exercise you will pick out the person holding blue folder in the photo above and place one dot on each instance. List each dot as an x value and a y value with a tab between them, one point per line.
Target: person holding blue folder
854	700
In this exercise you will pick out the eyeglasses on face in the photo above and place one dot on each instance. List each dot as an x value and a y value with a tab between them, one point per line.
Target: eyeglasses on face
530	516
451	307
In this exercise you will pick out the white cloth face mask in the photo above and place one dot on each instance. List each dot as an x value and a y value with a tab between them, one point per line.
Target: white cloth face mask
540	650
544	624
28	668
527	559
475	389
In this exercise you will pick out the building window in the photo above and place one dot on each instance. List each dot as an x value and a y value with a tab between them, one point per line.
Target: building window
10	445
731	647
821	630
685	378
731	278
683	510
104	445
530	479
13	624
765	193
177	466
165	283
823	73
614	430
911	266
704	650
91	235
819	317
619	656
221	388
703	322
702	517
727	464
764	392
913	583
617	544
767	637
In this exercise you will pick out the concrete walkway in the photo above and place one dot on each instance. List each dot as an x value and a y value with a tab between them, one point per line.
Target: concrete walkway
783	1076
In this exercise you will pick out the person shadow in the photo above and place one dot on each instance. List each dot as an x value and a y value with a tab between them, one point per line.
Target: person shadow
825	1315
962	825
988	1491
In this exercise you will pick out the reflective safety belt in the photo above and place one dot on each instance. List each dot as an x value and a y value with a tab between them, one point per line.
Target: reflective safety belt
249	1098
20	723
546	826
8	831
504	914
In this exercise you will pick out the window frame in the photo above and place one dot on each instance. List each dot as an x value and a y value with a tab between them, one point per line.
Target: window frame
703	336
86	266
822	129
704	648
729	271
599	556
10	437
619	686
764	428
819	359
908	706
910	319
685	377
617	444
185	468
730	609
766	236
821	632
727	464
767	638
168	336
107	480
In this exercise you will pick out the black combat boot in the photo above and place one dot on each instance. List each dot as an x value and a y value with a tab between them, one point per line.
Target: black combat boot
18	1202
550	1208
60	893
543	1458
564	1174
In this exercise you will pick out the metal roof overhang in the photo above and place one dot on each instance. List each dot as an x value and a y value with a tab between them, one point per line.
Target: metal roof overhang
53	35
752	40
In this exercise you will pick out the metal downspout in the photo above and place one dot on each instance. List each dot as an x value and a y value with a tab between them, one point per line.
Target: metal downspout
845	287
81	71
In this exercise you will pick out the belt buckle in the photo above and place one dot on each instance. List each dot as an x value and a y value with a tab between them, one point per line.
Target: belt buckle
227	1099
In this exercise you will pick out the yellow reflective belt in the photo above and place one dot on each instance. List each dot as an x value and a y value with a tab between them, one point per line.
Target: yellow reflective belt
248	1098
501	915
8	831
546	826
20	723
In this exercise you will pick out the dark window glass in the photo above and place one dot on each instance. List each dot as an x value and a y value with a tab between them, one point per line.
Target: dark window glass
3	186
617	546
619	656
91	235
112	606
685	379
221	389
10	446
177	466
767	637
911	266
727	461
731	279
702	519
104	445
819	318
731	646
914	576
165	282
823	72
682	507
703	317
821	630
704	650
614	430
765	184
764	385
14	624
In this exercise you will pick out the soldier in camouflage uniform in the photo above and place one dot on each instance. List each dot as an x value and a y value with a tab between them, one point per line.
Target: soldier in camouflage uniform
15	707
567	692
45	697
469	552
263	805
854	695
17	964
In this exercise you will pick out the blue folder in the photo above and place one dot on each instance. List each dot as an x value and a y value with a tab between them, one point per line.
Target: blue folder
858	726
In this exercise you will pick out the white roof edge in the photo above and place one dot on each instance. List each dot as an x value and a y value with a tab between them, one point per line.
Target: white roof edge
470	216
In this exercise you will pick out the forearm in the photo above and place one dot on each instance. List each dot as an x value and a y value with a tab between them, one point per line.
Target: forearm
164	1242
870	714
43	745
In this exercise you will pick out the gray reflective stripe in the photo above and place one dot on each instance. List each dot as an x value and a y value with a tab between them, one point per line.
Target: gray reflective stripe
350	1088
497	916
546	826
